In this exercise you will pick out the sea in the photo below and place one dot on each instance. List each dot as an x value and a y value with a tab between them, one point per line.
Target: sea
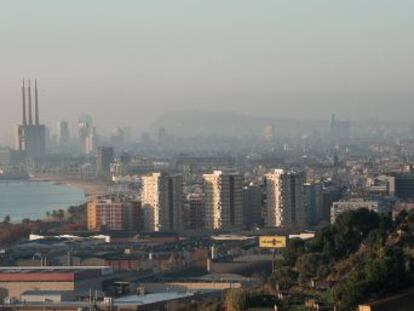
32	199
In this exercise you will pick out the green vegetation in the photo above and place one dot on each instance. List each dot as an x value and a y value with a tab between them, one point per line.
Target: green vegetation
72	219
361	257
11	233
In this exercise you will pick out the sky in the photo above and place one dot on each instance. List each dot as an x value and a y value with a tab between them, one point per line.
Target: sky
127	62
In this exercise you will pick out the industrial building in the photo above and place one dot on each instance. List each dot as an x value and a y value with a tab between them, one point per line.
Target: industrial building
14	281
31	135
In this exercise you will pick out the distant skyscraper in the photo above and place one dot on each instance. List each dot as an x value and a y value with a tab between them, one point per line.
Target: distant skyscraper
63	135
162	202
162	136
332	123
104	157
117	137
31	135
340	130
91	141
85	133
223	200
268	133
285	199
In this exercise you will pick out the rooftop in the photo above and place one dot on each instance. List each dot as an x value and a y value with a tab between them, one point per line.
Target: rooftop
47	292
150	298
49	274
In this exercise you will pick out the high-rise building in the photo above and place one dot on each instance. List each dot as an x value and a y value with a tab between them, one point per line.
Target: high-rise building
340	130
63	135
104	157
403	184
117	137
314	202
91	141
31	135
253	200
162	136
268	133
86	134
162	202
196	206
223	200
114	213
285	199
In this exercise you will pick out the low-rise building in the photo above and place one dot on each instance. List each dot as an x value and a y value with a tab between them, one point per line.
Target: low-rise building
354	204
114	213
14	281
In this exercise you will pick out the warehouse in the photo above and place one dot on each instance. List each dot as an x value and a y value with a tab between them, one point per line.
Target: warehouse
14	281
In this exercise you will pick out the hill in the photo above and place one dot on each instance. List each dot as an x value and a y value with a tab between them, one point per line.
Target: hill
191	123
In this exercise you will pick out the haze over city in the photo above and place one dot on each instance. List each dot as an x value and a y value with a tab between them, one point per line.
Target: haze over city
127	64
214	155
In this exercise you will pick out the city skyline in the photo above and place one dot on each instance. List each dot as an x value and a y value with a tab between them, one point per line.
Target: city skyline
226	155
277	59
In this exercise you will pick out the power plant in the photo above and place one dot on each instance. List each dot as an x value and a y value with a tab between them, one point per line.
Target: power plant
31	135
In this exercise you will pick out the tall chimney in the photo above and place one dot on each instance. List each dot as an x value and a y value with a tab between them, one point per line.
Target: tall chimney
24	121
29	97
36	105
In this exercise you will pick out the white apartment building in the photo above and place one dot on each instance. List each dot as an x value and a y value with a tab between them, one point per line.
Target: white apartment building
285	199
223	200
162	201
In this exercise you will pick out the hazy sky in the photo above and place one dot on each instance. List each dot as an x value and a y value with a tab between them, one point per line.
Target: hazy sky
125	62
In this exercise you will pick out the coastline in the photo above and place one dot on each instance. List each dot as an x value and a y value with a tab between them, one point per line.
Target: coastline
89	187
40	196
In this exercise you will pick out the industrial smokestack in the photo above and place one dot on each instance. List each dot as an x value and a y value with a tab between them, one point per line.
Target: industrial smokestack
36	105
29	98
24	121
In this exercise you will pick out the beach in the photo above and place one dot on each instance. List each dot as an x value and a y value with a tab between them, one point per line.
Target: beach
89	187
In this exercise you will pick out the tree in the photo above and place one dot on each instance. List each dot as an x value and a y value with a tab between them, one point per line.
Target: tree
380	273
61	214
235	300
294	249
283	278
7	219
344	237
309	265
54	215
351	228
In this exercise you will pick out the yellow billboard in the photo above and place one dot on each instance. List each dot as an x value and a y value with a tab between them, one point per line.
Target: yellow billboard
275	241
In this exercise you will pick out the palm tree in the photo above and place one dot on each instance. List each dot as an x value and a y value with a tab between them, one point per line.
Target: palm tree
54	214
61	214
